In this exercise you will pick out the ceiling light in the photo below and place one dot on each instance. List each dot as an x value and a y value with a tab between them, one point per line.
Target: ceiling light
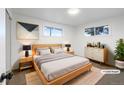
73	11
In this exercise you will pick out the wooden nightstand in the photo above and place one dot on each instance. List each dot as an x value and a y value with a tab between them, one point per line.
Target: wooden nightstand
70	52
25	62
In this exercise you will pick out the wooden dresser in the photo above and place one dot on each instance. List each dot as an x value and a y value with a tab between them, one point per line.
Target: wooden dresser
97	54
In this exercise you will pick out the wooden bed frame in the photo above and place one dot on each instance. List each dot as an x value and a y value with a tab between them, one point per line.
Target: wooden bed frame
60	80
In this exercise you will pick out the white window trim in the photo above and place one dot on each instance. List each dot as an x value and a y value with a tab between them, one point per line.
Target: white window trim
50	35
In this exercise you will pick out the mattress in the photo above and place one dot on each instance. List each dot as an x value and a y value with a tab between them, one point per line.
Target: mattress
59	66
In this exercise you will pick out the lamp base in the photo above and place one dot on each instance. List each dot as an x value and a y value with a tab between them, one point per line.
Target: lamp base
26	53
68	49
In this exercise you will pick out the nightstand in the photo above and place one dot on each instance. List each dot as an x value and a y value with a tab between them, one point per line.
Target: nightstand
70	52
25	62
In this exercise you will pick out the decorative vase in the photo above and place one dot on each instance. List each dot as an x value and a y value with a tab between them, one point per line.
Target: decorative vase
119	64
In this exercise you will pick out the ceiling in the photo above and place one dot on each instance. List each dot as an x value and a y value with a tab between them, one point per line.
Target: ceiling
60	15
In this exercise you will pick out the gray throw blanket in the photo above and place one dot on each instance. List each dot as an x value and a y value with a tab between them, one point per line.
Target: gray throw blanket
52	57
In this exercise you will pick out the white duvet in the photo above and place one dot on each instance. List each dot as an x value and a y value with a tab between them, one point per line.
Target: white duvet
57	68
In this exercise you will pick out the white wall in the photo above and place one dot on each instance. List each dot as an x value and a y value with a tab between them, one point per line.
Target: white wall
75	36
116	32
68	33
2	42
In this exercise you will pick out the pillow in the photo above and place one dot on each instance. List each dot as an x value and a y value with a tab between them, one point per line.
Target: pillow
58	50
37	52
43	51
42	48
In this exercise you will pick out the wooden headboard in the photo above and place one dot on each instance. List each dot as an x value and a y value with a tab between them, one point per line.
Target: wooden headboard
35	46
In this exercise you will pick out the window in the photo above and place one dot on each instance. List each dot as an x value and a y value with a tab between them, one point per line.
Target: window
100	30
52	32
47	31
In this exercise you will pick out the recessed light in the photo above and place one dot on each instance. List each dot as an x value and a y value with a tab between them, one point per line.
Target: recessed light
73	11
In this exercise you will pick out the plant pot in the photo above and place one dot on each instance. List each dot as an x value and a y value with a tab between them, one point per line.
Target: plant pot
119	64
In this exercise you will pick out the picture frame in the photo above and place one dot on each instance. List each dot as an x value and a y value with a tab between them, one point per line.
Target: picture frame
27	31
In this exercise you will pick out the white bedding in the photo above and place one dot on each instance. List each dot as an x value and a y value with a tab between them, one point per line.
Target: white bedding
57	68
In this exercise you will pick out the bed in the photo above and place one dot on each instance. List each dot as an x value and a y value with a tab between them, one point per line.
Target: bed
57	69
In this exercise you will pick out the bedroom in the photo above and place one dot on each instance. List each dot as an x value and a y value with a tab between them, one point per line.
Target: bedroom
75	31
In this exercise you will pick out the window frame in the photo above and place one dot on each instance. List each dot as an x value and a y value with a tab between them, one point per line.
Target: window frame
53	27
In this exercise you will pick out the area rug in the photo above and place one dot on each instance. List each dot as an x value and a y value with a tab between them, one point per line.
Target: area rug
88	78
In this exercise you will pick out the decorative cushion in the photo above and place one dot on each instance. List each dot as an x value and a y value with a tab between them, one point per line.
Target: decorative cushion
58	50
43	51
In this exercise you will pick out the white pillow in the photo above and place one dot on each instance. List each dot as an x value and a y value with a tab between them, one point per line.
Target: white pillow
43	51
58	50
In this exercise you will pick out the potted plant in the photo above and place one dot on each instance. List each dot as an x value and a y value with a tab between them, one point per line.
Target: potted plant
119	54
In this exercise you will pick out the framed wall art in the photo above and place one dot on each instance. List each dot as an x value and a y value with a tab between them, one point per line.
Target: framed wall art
27	31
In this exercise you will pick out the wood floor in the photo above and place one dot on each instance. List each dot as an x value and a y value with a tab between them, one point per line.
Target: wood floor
19	77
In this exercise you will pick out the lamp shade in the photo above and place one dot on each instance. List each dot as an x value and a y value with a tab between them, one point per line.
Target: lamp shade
26	47
67	45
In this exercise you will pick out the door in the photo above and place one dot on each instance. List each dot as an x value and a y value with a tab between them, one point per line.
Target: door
2	44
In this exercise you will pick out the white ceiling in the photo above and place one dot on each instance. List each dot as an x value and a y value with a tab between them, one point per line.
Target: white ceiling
60	15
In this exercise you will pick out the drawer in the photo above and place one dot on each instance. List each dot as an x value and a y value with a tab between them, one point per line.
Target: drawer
22	60
29	59
95	54
25	59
